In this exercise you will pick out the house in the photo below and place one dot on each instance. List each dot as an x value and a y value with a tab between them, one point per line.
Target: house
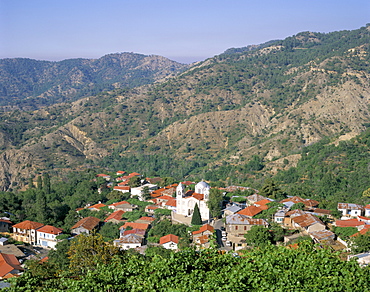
169	241
202	236
165	191
162	200
103	175
133	225
279	216
96	207
5	224
123	205
255	198
145	219
9	266
46	236
239	224
150	209
321	235
122	189
120	173
139	191
362	258
350	210
128	241
295	200
185	202
115	217
3	241
250	211
85	225
350	223
230	210
171	205
367	210
26	231
308	223
289	215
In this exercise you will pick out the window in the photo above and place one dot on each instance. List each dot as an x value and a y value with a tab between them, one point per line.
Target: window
236	227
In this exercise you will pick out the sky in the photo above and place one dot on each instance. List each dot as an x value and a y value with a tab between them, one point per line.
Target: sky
182	30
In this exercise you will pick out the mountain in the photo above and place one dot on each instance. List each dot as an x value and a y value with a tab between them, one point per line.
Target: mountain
30	84
249	108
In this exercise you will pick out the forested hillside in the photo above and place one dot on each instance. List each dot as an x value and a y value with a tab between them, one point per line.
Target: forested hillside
243	115
30	84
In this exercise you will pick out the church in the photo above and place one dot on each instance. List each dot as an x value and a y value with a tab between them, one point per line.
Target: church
185	202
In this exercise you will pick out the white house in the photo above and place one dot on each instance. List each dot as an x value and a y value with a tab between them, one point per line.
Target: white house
128	241
185	202
138	191
46	236
169	241
350	210
367	210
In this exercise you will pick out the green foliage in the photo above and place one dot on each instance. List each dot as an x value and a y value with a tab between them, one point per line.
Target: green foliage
360	243
344	232
304	269
196	219
271	190
258	236
162	212
298	206
110	231
215	202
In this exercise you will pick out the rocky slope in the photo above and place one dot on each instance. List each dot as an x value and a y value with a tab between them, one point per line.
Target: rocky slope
271	102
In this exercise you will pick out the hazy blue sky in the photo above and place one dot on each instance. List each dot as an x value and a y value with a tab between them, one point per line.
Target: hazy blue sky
182	30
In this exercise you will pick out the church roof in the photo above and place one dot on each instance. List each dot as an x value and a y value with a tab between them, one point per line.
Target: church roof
202	184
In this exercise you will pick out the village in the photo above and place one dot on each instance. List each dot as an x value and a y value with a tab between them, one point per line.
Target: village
179	203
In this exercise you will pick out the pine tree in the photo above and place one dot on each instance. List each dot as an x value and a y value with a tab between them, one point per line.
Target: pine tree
196	219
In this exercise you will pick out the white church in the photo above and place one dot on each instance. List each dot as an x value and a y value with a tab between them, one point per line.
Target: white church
185	202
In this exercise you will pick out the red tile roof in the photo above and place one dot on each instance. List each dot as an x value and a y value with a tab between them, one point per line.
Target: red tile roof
205	227
165	198
50	229
102	175
28	225
135	225
250	211
88	223
296	199
134	174
363	231
120	203
122	188
349	223
169	238
306	220
6	221
263	202
136	231
117	215
171	203
147	218
151	207
97	206
8	263
367	206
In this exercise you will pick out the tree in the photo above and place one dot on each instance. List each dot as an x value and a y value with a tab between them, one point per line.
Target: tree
134	182
89	250
196	219
258	236
271	190
360	243
46	183
145	193
366	193
298	206
215	202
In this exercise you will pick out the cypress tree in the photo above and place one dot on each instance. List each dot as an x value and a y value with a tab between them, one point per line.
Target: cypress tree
196	219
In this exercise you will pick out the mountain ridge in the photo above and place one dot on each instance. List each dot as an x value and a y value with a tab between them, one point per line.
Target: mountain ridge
269	102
